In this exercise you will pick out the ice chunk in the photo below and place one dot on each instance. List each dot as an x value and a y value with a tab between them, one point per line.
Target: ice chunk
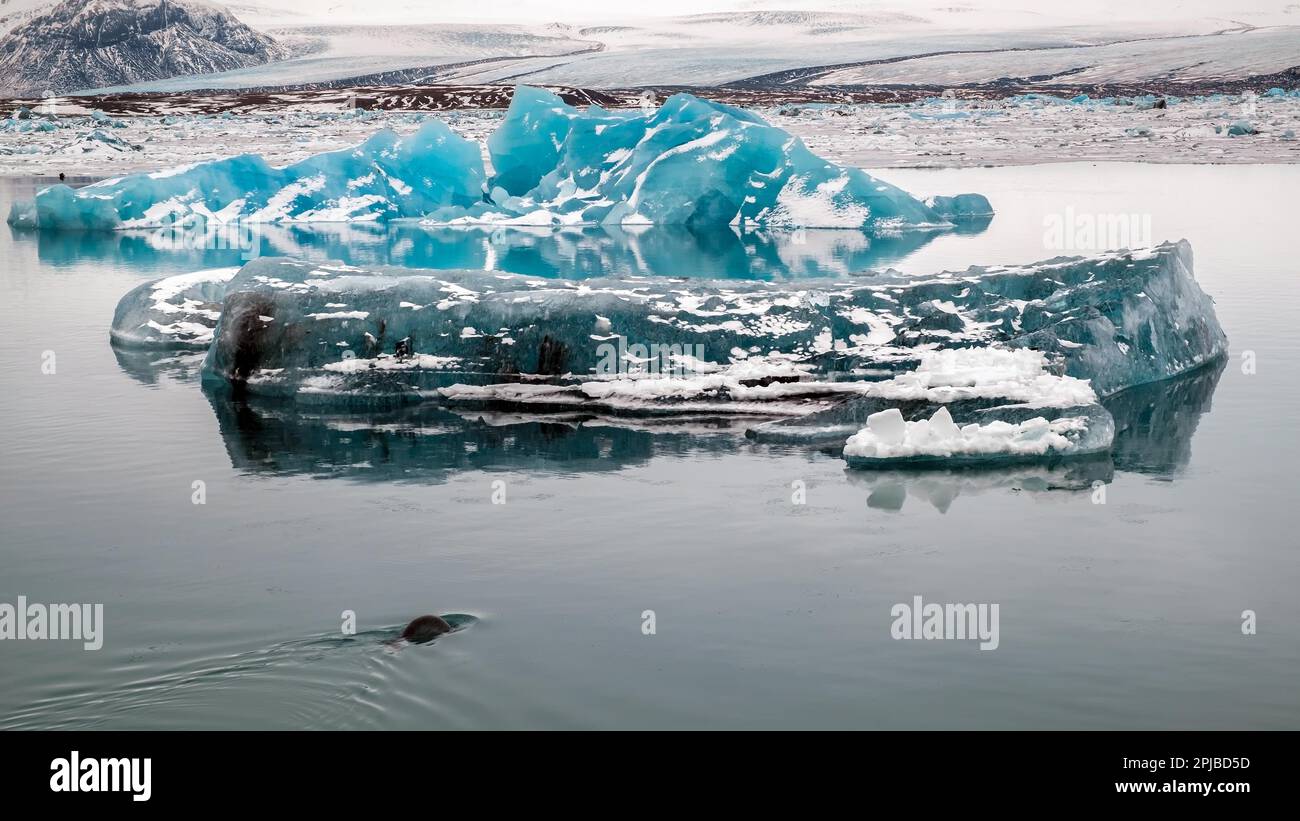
919	443
22	214
385	177
962	206
888	426
103	119
28	124
966	384
942	426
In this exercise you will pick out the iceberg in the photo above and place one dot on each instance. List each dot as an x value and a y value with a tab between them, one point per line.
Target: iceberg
1007	344
991	364
692	163
386	177
963	207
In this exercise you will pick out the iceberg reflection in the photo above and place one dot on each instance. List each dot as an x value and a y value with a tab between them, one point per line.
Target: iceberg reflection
890	489
426	443
1154	423
584	252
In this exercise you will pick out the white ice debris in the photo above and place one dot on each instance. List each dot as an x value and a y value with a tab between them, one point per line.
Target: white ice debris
888	436
1019	375
888	426
166	290
386	362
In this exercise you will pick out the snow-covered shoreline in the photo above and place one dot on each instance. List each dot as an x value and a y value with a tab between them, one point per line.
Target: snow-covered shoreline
62	137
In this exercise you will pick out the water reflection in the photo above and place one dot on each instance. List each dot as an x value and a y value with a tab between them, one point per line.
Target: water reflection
1154	428
1154	423
577	253
890	489
426	443
149	367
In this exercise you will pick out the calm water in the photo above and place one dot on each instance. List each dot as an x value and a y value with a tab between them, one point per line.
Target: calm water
768	614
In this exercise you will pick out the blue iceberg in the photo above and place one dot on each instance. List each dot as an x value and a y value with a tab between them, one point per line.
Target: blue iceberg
691	162
386	177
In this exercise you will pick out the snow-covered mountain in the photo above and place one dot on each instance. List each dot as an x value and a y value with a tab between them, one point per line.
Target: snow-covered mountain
80	44
997	15
187	45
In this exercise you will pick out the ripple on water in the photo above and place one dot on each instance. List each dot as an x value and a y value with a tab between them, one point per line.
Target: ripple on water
326	681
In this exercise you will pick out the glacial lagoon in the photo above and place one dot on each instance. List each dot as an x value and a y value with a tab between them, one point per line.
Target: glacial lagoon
1123	613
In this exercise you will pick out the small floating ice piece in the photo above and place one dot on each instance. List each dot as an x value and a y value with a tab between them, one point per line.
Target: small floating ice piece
939	441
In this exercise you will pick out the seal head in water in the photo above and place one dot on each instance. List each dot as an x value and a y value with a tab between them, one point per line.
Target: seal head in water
425	628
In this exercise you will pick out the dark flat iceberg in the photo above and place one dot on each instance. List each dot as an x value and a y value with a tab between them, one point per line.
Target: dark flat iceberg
988	364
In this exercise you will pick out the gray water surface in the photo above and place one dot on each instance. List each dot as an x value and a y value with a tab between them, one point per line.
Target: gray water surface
768	614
